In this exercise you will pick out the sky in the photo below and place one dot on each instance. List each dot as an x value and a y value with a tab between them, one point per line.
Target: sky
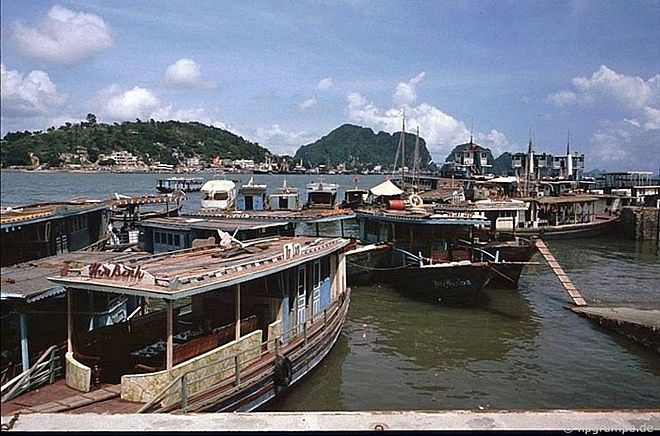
283	73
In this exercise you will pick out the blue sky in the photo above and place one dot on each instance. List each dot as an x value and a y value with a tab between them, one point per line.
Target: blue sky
285	73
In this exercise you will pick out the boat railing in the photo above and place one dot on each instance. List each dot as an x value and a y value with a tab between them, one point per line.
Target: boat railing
483	255
246	370
45	370
478	255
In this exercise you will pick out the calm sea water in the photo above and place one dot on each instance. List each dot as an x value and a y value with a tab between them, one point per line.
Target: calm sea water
515	349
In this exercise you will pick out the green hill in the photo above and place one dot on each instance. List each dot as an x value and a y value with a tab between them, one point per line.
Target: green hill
360	148
168	142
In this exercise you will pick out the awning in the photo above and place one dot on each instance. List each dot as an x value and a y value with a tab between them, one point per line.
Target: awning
387	188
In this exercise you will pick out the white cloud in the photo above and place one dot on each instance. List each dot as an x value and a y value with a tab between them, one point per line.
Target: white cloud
31	95
186	72
562	98
628	91
441	131
115	104
325	84
64	36
310	103
280	141
633	97
406	93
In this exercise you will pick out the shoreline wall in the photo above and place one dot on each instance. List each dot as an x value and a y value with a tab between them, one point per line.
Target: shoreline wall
640	223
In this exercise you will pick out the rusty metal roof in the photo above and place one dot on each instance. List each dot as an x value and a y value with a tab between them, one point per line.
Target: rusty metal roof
28	281
22	215
195	271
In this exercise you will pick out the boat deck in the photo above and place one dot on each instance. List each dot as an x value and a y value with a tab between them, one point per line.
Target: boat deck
60	398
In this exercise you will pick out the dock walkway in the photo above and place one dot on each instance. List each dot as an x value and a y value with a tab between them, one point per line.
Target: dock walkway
572	291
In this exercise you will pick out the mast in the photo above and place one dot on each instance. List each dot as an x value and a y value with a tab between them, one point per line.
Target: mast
530	165
416	169
403	148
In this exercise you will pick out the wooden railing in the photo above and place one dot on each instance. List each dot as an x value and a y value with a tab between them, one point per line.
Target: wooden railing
46	370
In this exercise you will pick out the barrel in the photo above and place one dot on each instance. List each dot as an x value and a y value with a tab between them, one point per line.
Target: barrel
396	204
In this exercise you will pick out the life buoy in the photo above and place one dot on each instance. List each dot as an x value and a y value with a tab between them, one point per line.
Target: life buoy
283	371
415	200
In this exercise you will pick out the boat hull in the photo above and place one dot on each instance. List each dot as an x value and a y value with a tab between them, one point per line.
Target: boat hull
439	281
260	393
363	260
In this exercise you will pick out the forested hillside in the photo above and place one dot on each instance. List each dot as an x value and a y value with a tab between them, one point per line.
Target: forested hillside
168	142
359	147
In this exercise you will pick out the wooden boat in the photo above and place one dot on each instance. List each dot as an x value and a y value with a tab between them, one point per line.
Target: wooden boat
427	259
252	196
321	195
285	198
438	250
185	184
238	326
564	217
219	194
47	229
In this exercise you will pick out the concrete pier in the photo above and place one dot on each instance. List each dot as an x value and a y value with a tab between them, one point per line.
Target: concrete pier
559	420
639	325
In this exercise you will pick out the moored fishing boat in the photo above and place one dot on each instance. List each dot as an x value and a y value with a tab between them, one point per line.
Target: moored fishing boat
185	184
237	326
564	217
321	194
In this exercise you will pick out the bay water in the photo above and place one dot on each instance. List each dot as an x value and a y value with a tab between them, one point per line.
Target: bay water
515	349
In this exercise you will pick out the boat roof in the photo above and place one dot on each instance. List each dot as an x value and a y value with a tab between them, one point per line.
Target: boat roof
34	213
125	201
303	215
424	218
185	273
218	185
28	281
566	199
224	224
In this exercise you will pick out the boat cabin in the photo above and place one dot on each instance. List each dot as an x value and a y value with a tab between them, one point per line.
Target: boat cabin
160	235
47	229
185	184
252	197
34	310
321	195
285	198
218	194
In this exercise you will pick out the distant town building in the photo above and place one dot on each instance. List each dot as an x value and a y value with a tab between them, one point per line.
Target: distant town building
534	166
469	160
124	159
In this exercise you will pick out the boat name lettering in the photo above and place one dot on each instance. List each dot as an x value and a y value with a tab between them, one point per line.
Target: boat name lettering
452	283
115	270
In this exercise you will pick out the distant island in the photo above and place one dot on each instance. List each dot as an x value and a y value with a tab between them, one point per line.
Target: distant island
174	146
